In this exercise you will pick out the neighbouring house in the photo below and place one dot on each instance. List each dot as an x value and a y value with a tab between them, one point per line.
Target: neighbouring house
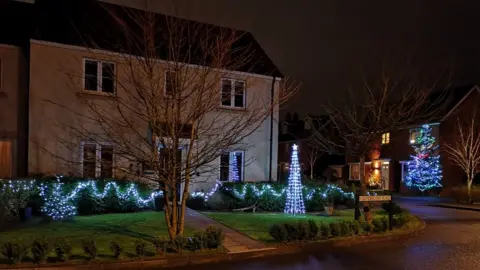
33	67
387	160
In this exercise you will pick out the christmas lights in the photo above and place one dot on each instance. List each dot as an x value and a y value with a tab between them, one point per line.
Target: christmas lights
234	175
56	205
294	204
424	170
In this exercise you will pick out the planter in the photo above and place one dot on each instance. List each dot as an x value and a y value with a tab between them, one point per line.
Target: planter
328	210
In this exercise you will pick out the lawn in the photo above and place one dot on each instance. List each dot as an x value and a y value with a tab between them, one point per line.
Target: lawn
256	225
124	228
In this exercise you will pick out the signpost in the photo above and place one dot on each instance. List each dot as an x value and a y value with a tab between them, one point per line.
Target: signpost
375	198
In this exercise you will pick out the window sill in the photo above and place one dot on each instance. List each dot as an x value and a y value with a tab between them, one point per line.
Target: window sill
229	108
96	93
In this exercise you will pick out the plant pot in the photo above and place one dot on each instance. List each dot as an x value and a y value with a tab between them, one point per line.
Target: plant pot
328	210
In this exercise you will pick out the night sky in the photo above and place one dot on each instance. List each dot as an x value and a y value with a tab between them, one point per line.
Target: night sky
326	44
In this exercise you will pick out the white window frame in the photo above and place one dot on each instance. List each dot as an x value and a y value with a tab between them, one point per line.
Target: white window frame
98	157
232	93
386	138
100	76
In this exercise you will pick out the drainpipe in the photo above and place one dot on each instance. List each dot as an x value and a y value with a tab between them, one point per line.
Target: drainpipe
272	95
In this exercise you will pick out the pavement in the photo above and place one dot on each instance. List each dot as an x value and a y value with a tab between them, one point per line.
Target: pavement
451	241
235	242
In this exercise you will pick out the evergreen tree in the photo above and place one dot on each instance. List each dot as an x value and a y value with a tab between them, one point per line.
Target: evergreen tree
294	204
424	170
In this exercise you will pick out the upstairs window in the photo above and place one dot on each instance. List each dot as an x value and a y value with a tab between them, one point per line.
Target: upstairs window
415	133
385	138
99	76
170	83
233	93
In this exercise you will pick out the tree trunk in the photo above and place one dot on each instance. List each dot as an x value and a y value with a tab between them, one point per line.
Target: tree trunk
363	189
469	187
311	171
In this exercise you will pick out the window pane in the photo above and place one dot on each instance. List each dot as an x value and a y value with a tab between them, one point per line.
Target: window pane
106	161
89	158
239	93
108	77
224	162
239	157
170	84
91	82
226	93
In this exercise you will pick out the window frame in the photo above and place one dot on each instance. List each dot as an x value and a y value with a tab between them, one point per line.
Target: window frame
100	77
386	138
242	165
232	94
98	157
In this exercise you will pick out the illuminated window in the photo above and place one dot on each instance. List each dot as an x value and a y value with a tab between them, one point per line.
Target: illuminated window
226	168
385	138
414	135
99	76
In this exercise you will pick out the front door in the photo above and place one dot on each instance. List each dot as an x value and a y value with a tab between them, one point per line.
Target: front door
5	159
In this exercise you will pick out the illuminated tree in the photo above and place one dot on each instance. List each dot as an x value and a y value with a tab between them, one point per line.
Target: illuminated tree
295	203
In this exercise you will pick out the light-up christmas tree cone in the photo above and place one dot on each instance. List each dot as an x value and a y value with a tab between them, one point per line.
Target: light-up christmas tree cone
234	175
294	204
56	205
424	170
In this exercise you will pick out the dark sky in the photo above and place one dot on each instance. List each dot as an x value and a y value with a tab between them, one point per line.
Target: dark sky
326	43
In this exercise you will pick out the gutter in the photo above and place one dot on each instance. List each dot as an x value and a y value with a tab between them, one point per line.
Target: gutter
272	95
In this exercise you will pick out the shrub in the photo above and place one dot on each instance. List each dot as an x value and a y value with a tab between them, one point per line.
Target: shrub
278	232
14	252
160	245
325	230
292	231
140	248
345	229
63	250
214	237
89	247
377	226
196	203
394	206
116	249
179	244
399	221
367	227
40	250
313	229
335	229
303	231
354	227
384	222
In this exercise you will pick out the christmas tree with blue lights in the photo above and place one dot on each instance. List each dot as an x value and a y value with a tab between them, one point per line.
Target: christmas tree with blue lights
234	175
424	170
294	204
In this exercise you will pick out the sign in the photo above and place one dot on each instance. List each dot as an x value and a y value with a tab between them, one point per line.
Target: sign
375	198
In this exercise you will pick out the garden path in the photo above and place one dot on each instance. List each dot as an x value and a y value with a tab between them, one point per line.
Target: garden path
235	242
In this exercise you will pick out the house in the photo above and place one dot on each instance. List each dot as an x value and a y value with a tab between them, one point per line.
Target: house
387	160
39	64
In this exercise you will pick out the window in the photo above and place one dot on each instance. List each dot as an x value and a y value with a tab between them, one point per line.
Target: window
97	160
385	138
414	135
354	171
99	76
233	93
170	83
231	166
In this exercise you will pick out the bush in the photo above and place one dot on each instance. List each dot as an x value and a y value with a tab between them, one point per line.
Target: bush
335	229
160	245
394	206
399	221
179	244
278	232
196	203
140	248
313	229
40	250
214	237
345	229
354	227
197	242
14	252
89	247
14	195
367	227
292	231
377	226
116	249
303	231
63	250
384	222
325	230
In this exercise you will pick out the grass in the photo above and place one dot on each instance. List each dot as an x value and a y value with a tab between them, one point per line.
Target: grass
124	228
256	225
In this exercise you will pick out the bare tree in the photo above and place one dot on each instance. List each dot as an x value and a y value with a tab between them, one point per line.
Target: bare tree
465	152
395	100
311	154
171	97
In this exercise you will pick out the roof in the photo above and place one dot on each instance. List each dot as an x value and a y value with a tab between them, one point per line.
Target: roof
88	22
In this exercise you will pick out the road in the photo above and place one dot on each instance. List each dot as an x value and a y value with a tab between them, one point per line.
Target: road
451	241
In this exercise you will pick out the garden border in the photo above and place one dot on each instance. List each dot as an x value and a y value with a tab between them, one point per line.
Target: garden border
216	258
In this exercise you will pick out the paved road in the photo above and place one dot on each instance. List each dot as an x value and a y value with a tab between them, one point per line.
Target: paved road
451	241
